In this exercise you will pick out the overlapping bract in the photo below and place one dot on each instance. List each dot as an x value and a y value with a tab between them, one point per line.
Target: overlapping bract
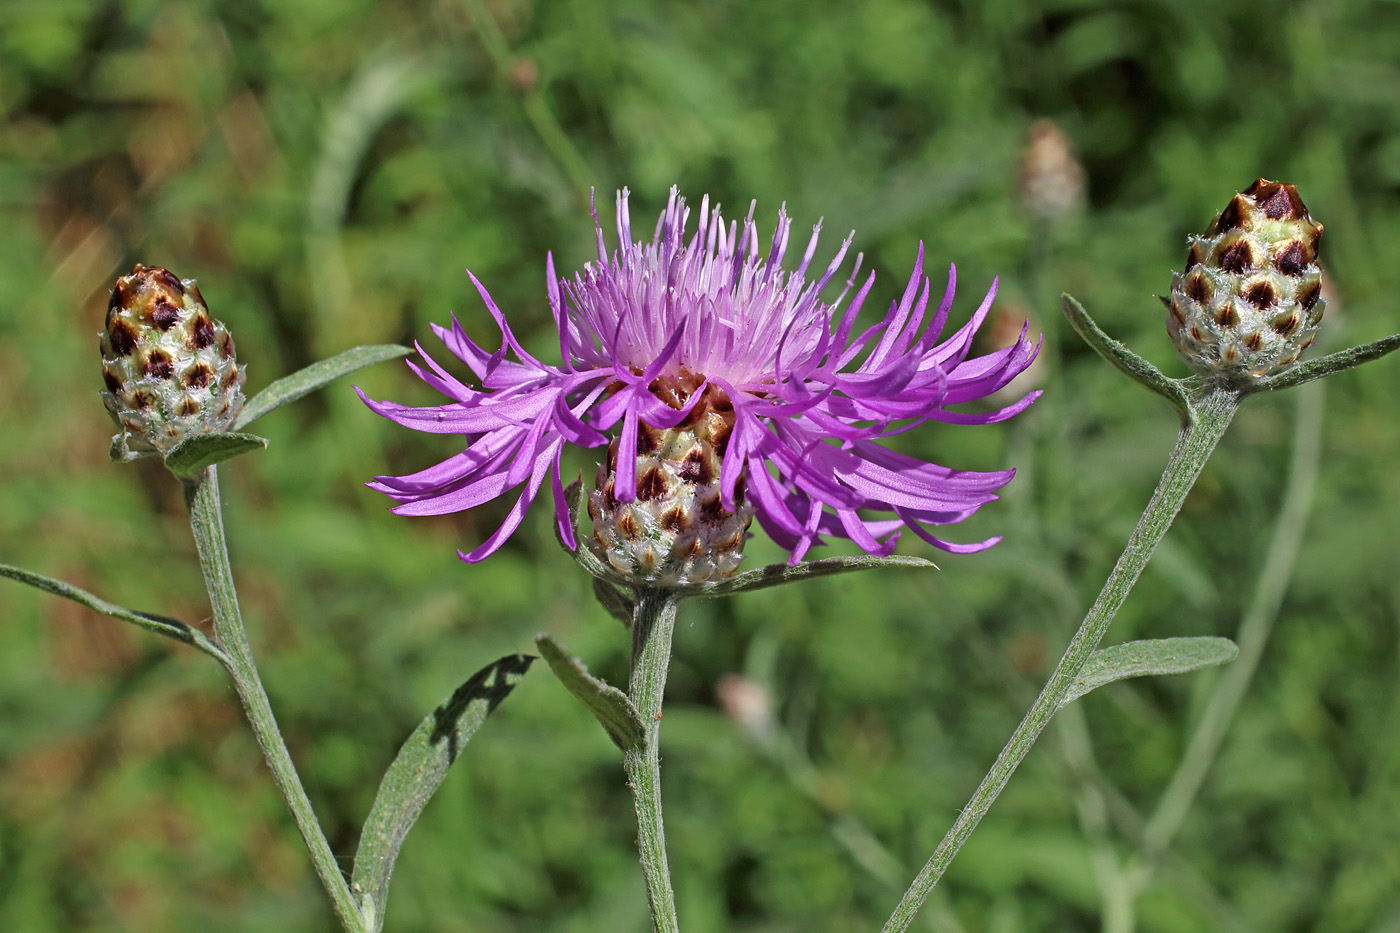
810	401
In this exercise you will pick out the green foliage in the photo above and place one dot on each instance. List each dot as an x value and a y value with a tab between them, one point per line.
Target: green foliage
326	170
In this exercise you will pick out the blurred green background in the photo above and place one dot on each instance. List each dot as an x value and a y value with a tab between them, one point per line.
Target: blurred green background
327	168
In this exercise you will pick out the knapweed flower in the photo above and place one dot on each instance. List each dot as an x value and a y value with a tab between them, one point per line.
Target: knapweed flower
725	388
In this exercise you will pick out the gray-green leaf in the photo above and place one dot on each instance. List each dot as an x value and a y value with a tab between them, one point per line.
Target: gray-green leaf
290	388
1152	656
198	451
1327	365
607	703
1129	363
161	625
417	771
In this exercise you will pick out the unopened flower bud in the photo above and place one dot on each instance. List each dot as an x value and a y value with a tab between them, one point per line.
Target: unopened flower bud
168	367
1249	301
677	529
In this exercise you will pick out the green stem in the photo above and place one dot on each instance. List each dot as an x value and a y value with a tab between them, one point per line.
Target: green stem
1210	416
1255	628
207	523
653	621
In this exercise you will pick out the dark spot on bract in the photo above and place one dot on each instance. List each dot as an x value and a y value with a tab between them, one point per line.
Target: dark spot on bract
168	279
1225	317
1198	286
1293	258
731	543
695	468
711	510
627	524
675	520
114	303
228	346
113	383
142	399
159	365
651	485
230	377
198	376
1234	257
189	407
1261	295
1234	216
719	436
1196	334
648	439
164	314
1193	256
201	331
1277	201
122	337
1285	326
1309	295
1254	342
610	494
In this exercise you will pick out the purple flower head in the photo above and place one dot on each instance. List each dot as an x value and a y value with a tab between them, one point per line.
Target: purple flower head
649	331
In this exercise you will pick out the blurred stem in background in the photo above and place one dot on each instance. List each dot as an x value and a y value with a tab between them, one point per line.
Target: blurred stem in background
1255	629
537	110
1207	419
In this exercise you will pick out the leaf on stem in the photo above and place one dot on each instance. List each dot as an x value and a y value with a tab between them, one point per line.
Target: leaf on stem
198	451
1152	656
1327	365
161	625
778	574
318	374
1129	363
608	704
416	772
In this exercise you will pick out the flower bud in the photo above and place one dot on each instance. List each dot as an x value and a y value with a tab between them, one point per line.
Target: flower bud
677	529
169	367
1249	301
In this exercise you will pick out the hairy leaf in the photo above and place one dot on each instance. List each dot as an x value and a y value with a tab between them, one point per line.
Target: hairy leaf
1152	656
416	772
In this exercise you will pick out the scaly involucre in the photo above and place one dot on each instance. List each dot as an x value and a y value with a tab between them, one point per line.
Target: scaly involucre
649	330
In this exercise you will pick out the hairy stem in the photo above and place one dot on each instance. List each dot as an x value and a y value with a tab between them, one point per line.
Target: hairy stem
207	523
653	621
1210	416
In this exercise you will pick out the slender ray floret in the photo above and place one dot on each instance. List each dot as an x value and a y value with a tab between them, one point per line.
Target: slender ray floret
725	388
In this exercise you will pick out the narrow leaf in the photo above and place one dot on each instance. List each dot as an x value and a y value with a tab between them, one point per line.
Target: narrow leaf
1153	656
198	451
417	771
778	574
161	625
308	380
607	703
1129	363
1327	365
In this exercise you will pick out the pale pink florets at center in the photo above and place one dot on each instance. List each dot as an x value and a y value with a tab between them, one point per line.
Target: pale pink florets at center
718	311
